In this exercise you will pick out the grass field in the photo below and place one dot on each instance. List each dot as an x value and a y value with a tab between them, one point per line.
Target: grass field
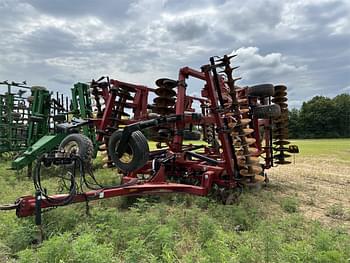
303	215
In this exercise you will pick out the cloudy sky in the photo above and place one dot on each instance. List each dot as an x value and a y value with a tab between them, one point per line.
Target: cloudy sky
304	44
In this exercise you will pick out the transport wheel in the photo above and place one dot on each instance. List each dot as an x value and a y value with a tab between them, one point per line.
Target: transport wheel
267	111
262	90
80	145
136	154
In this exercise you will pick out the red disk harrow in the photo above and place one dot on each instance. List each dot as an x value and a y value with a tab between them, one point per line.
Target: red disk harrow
245	129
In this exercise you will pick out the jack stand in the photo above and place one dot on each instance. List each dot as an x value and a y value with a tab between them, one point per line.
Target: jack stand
38	218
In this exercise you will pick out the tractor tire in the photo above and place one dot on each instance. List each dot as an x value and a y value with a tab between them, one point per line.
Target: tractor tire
80	145
262	90
267	111
136	155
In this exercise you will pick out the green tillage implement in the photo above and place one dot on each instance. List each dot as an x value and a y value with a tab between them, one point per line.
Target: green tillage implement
82	109
13	122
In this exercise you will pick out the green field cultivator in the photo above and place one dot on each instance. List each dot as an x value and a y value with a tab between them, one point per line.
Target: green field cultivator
14	113
49	128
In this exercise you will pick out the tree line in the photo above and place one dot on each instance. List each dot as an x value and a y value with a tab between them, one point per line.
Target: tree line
321	117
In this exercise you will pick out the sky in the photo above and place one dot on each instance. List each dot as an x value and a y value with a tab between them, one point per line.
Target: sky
56	43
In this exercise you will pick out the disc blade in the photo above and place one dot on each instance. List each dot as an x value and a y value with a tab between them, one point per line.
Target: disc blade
167	83
279	88
281	142
283	162
281	156
278	100
164	92
164	101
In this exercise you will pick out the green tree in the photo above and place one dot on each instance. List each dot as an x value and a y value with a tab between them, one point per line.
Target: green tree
342	104
318	118
293	124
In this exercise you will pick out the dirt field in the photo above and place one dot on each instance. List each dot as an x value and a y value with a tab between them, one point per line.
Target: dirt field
319	181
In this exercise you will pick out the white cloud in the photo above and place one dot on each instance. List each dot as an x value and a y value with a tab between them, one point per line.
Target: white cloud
301	43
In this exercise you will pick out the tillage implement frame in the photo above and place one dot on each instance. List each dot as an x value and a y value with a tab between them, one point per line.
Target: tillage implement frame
238	124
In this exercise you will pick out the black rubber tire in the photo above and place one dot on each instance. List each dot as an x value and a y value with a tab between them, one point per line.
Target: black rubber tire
267	111
137	145
262	90
85	147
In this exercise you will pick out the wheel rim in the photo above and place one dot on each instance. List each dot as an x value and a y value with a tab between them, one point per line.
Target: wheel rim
71	147
127	156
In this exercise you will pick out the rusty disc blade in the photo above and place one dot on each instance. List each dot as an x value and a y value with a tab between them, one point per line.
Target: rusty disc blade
279	88
283	162
281	156
280	149
281	119
163	110
166	83
247	131
242	101
244	122
280	94
242	111
164	101
283	105
250	140
280	138
280	131
278	100
281	142
246	173
231	124
164	92
252	159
